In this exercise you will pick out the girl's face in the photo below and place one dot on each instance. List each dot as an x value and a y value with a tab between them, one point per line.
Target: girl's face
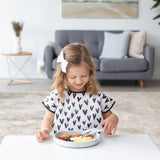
77	77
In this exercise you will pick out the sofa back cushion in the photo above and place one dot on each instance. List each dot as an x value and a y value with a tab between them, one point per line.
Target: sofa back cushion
115	45
93	39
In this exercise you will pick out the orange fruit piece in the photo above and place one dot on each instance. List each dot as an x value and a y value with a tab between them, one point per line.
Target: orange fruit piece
77	135
65	136
90	136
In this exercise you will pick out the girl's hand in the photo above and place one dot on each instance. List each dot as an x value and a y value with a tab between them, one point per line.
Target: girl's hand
42	135
110	124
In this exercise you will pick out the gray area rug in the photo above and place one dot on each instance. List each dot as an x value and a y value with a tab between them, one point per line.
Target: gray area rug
139	113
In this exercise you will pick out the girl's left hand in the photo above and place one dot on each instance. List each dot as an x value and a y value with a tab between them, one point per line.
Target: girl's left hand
110	124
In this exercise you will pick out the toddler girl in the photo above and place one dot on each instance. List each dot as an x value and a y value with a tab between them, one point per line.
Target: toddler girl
76	103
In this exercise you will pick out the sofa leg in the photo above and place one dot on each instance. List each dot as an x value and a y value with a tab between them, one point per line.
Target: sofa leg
141	83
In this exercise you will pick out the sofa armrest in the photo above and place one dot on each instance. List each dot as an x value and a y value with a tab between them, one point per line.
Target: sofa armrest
49	55
149	57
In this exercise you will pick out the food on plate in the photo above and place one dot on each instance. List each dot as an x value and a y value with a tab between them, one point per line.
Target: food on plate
75	138
65	136
90	136
81	139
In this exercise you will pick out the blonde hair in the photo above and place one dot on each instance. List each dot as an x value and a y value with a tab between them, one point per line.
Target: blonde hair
74	54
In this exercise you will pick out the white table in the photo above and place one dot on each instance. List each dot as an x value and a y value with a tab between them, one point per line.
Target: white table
118	147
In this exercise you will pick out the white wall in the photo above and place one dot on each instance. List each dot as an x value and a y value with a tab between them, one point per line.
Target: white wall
42	17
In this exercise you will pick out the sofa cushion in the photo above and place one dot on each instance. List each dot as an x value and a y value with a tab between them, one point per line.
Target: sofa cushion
123	65
95	60
115	45
137	42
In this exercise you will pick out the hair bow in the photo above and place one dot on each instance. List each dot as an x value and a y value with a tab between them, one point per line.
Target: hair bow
63	62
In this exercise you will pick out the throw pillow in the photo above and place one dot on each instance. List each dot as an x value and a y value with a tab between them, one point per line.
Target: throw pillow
115	45
136	45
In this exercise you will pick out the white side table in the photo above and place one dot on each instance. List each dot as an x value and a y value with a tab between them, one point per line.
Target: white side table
10	61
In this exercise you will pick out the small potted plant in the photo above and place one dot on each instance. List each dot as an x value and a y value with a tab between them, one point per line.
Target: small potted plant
17	27
156	5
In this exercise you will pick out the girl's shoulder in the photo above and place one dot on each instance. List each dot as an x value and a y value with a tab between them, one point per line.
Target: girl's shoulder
102	94
54	92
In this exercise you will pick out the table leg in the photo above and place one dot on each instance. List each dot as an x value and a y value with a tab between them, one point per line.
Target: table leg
28	81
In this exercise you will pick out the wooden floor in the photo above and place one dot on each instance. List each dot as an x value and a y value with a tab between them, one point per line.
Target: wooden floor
44	85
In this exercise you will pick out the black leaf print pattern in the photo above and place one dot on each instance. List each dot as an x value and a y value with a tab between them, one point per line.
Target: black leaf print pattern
73	104
84	122
94	99
74	94
66	125
88	124
91	107
76	111
95	126
99	102
74	122
62	103
61	121
48	107
97	110
54	106
107	100
106	107
104	96
68	100
65	113
57	115
59	127
60	110
79	118
79	127
85	111
68	119
94	116
72	115
78	98
69	107
89	117
99	120
80	106
86	102
58	100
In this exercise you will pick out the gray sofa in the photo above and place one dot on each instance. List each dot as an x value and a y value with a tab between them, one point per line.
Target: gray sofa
106	69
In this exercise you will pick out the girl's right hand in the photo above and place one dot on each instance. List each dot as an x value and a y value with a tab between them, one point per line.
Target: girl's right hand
42	135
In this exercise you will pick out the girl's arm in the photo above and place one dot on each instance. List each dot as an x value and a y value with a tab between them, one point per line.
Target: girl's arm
110	122
46	126
47	121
